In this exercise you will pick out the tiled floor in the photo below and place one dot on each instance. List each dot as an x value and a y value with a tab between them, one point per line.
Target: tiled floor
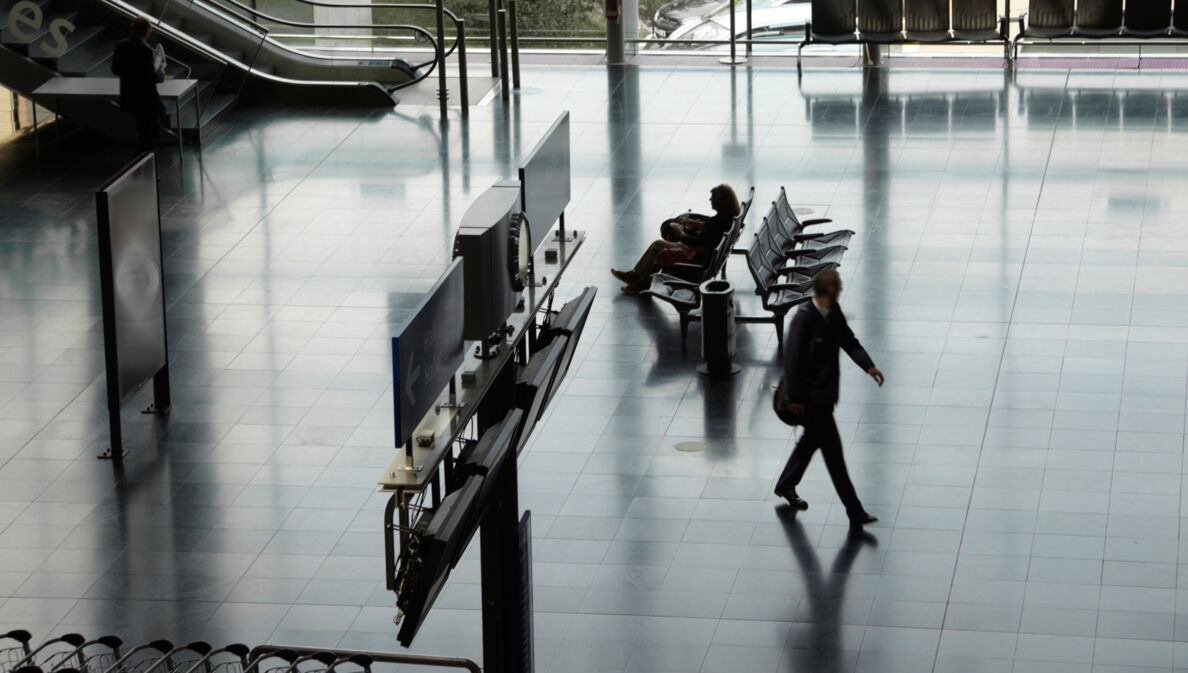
1020	273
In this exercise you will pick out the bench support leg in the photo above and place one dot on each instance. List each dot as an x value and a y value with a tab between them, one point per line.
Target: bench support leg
778	321
685	320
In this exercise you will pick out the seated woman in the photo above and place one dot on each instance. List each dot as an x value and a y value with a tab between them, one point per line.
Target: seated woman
686	239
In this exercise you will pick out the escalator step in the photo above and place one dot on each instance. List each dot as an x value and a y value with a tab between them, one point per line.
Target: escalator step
91	58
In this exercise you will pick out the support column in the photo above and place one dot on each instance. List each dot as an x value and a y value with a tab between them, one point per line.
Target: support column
345	16
615	53
629	15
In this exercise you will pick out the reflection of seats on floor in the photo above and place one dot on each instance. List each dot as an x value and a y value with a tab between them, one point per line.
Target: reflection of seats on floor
72	653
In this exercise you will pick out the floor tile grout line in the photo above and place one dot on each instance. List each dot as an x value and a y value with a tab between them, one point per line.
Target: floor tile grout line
998	376
197	280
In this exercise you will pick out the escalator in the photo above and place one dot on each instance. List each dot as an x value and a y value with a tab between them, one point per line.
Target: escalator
223	44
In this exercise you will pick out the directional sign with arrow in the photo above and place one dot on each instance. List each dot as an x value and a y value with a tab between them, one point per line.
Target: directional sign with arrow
427	351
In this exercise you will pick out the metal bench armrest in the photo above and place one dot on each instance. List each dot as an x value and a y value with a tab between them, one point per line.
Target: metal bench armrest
795	287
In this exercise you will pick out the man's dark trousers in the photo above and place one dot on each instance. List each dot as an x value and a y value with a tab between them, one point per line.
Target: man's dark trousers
146	131
820	432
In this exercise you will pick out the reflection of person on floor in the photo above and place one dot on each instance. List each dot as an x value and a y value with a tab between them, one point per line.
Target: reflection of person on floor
816	334
824	591
133	63
688	239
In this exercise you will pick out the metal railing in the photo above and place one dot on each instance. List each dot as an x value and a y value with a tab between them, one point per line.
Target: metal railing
261	652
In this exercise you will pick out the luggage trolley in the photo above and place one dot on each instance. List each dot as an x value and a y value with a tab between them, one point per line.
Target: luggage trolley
14	648
229	659
179	659
93	656
51	655
140	658
270	661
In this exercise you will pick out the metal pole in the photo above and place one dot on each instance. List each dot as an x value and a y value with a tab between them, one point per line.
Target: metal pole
515	43
492	10
1006	36
503	55
463	84
749	38
872	54
733	58
443	89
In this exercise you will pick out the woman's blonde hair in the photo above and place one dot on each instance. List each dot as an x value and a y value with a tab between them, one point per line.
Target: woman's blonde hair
725	201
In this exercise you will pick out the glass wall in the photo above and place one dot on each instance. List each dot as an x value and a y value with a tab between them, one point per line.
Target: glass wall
16	115
665	25
660	26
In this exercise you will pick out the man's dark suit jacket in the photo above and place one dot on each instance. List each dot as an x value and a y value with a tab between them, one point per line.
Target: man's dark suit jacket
811	369
133	64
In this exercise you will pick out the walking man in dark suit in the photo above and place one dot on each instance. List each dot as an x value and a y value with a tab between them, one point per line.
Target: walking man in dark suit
812	373
133	64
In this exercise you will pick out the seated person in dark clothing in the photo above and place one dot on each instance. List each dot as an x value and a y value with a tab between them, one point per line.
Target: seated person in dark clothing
132	62
687	239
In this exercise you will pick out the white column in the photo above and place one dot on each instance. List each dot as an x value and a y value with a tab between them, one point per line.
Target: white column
354	16
630	19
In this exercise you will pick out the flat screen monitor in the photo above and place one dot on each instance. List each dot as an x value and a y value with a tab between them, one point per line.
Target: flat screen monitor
570	322
442	536
535	382
482	244
443	533
545	180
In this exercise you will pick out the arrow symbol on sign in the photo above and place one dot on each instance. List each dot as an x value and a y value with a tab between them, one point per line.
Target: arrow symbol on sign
414	373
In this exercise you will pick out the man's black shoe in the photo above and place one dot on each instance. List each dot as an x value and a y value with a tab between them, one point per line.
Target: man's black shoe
859	520
793	499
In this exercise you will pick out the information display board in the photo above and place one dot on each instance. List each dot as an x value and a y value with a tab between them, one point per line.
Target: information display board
132	286
544	180
427	351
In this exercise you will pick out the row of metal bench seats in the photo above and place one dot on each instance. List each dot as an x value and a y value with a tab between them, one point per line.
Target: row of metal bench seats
1104	18
895	21
680	284
782	259
73	653
978	21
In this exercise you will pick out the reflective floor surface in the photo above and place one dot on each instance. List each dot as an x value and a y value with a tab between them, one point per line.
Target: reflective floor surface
1020	274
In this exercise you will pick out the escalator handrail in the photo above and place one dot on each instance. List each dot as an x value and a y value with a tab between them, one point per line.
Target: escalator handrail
392	26
219	56
256	25
303	24
217	8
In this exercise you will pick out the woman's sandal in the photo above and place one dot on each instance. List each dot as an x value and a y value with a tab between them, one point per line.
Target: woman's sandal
628	277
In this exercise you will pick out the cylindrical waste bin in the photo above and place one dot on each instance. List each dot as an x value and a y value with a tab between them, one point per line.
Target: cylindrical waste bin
717	329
